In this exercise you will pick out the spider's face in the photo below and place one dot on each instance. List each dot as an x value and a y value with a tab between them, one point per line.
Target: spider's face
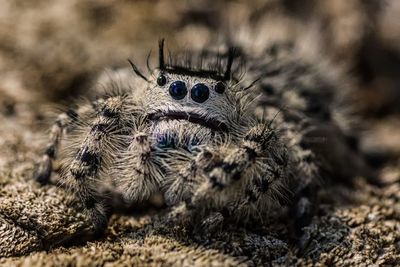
189	107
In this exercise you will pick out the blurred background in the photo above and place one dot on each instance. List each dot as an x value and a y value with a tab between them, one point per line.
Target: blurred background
51	51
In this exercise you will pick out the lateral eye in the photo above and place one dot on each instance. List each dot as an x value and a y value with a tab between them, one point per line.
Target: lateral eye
162	80
220	87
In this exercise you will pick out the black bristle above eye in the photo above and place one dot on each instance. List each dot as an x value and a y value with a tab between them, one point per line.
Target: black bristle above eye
161	62
192	64
231	56
162	80
220	87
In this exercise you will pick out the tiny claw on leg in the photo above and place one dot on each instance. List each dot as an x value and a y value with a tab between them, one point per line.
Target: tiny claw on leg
98	219
179	215
211	224
302	212
43	171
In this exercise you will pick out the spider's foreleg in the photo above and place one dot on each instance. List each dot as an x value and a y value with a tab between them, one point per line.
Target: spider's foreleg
181	176
260	172
64	122
240	178
258	161
103	139
139	167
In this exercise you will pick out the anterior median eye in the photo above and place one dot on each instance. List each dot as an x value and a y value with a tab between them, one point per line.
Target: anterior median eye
161	80
178	90
200	93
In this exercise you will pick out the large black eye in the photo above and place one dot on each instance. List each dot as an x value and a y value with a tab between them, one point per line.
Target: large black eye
200	93
161	80
219	87
178	90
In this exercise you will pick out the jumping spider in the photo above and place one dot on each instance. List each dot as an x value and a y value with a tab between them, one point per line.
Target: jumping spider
211	142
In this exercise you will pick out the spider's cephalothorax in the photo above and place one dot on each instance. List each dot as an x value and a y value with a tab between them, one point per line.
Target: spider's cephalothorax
195	135
193	106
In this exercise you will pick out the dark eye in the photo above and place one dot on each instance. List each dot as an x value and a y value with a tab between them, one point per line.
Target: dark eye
178	90
200	93
161	80
220	87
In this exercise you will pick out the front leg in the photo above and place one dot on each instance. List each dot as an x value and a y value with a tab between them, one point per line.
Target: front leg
228	176
246	179
64	123
85	171
259	162
137	171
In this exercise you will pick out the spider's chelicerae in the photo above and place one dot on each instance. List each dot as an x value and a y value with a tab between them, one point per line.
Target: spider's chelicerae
214	142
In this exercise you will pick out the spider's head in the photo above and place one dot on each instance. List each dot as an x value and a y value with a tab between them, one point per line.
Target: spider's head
201	100
190	102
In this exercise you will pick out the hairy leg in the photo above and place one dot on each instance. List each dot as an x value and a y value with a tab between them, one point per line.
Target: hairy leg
181	176
257	162
301	212
63	124
88	166
138	168
226	177
242	179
